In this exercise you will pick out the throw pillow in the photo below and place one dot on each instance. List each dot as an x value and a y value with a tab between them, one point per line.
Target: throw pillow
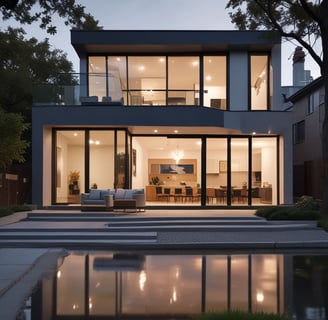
94	194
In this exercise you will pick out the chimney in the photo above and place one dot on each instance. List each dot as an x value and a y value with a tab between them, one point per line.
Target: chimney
298	68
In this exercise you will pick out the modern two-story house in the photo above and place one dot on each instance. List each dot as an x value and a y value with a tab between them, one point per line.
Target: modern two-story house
193	117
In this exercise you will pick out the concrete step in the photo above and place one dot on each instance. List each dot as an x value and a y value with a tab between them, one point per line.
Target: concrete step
50	237
128	217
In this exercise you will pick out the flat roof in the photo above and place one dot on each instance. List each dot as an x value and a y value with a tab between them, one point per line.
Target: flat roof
171	41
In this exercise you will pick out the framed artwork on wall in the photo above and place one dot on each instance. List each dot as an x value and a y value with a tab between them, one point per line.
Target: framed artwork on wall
223	166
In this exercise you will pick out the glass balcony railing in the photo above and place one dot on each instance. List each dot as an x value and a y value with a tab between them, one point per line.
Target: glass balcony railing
84	89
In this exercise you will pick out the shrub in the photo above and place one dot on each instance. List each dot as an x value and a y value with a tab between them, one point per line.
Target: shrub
323	222
10	210
265	212
307	203
287	213
240	315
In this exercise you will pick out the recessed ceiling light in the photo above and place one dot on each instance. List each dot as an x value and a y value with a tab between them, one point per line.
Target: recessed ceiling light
75	134
155	131
208	78
176	131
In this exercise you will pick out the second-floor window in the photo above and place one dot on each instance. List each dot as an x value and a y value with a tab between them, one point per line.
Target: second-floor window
260	82
314	100
159	80
299	132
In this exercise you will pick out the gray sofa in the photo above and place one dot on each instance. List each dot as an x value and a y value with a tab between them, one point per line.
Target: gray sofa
114	199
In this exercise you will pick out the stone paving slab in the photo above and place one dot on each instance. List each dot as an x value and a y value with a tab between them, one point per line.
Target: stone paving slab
20	271
14	264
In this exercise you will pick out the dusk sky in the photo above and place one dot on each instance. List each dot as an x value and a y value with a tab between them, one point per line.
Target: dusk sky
159	15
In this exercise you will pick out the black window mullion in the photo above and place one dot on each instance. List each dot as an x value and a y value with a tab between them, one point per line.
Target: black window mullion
250	170
201	81
87	160
229	171
107	75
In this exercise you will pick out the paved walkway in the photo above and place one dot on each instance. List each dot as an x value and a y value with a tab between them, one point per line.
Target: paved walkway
37	239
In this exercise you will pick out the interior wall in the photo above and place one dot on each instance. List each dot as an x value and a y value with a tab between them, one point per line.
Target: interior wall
47	168
62	190
75	157
140	179
101	166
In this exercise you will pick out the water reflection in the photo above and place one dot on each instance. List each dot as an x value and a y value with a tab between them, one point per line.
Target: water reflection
97	284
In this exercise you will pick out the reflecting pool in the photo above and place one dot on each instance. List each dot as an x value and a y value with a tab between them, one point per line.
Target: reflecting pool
108	285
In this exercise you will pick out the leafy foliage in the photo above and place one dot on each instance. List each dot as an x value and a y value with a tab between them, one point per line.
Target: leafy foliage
44	11
299	19
12	147
287	213
306	208
308	203
304	21
24	63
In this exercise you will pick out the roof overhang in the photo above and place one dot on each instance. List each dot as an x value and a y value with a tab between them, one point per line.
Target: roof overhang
161	41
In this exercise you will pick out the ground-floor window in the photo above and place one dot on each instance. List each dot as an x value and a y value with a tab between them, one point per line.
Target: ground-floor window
173	171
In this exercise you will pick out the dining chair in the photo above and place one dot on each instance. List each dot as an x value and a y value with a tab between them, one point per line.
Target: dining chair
178	195
166	195
159	191
210	195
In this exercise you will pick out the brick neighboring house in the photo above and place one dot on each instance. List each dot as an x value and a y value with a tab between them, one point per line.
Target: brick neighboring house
308	115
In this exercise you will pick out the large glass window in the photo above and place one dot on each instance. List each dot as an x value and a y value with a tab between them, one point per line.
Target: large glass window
97	77
147	80
101	155
169	169
106	82
116	79
264	175
121	161
183	80
239	171
259	82
216	171
215	82
69	166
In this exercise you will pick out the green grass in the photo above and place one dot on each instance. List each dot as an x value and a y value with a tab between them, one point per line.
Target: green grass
10	210
240	315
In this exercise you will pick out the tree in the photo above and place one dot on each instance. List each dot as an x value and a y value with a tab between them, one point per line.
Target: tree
302	20
25	63
12	146
43	11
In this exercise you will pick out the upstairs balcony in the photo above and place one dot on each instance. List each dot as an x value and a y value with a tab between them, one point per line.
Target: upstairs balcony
101	90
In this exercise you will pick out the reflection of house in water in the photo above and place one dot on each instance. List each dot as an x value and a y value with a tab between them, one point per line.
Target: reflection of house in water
99	285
